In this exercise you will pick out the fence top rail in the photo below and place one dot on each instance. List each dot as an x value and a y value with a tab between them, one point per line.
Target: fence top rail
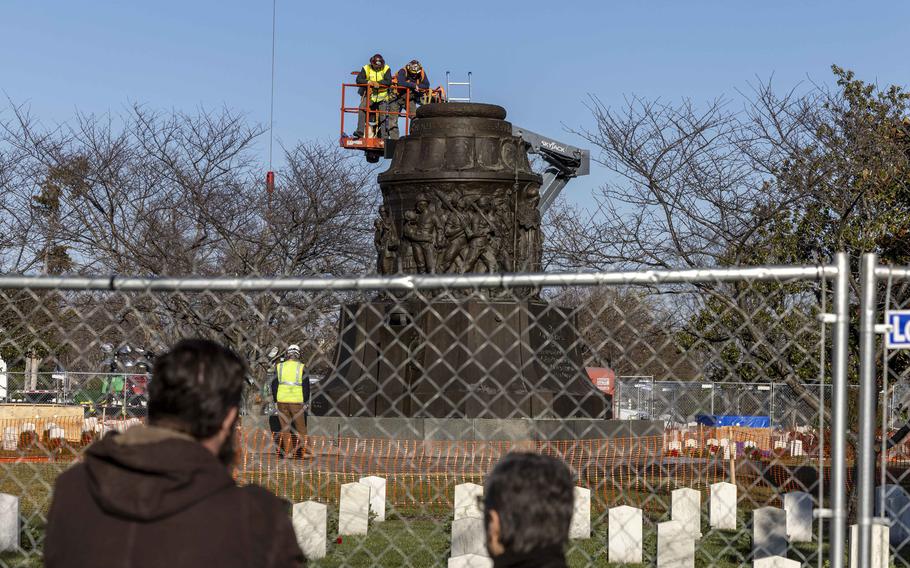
423	282
902	272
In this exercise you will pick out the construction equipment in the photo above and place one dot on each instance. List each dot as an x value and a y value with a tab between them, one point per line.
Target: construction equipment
564	162
371	143
450	84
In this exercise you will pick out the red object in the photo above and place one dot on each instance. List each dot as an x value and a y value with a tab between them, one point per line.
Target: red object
137	385
270	182
338	540
603	378
369	140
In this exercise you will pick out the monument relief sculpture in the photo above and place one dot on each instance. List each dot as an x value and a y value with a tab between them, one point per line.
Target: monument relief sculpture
459	197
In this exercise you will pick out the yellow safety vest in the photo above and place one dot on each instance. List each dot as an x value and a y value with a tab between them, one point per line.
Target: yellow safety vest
290	382
376	95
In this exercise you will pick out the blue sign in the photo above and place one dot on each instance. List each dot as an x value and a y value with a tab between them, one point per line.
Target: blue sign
899	333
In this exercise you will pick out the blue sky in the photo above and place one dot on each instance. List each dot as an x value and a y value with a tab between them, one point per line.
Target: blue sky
539	59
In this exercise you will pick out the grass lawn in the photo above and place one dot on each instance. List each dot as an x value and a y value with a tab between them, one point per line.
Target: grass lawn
412	536
424	541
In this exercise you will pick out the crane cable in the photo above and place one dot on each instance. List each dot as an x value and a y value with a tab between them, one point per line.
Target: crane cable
270	176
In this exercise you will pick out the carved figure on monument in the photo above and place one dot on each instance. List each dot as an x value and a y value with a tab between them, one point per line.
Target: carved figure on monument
480	244
456	235
423	235
502	237
385	239
530	239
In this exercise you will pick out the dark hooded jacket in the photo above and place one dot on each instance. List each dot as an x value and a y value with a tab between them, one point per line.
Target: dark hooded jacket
155	497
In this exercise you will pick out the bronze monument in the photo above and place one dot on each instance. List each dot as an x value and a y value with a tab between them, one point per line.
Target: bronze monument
459	197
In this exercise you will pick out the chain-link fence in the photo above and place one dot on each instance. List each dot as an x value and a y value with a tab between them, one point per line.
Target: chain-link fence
426	382
883	464
777	405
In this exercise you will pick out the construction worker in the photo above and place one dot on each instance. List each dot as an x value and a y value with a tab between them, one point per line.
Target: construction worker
291	396
378	77
413	83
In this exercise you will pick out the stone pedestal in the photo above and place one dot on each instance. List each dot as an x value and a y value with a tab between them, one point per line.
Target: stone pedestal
461	358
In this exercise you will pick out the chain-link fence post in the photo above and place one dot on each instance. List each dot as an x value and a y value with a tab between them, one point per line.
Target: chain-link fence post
866	441
840	349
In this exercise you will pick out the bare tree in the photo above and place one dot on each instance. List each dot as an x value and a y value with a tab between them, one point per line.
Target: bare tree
176	194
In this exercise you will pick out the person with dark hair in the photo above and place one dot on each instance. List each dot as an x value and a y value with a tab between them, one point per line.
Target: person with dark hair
528	501
163	494
375	80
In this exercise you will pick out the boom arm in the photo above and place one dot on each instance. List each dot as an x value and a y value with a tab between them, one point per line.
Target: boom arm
563	163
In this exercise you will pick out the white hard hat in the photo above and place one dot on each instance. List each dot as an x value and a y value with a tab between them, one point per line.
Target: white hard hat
294	347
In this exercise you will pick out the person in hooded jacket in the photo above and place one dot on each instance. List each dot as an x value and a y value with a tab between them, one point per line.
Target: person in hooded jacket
528	502
163	494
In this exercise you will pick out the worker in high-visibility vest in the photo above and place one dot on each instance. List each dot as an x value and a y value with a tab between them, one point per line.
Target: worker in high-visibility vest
413	84
291	398
376	80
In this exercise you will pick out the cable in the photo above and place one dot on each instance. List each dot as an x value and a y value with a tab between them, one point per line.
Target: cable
272	96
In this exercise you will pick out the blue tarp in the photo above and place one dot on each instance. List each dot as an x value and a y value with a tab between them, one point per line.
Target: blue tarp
733	420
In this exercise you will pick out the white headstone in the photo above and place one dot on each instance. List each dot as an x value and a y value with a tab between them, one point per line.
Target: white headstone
468	537
798	505
675	548
467	501
692	443
56	432
775	562
674	446
309	519
881	552
769	532
377	496
29	427
897	510
624	541
9	522
354	509
10	439
686	508
581	515
796	448
780	445
470	561
722	514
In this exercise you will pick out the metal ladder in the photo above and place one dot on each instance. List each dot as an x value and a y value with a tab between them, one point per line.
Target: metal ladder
450	84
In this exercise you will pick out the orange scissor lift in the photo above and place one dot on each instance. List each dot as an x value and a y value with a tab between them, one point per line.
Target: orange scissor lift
371	143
